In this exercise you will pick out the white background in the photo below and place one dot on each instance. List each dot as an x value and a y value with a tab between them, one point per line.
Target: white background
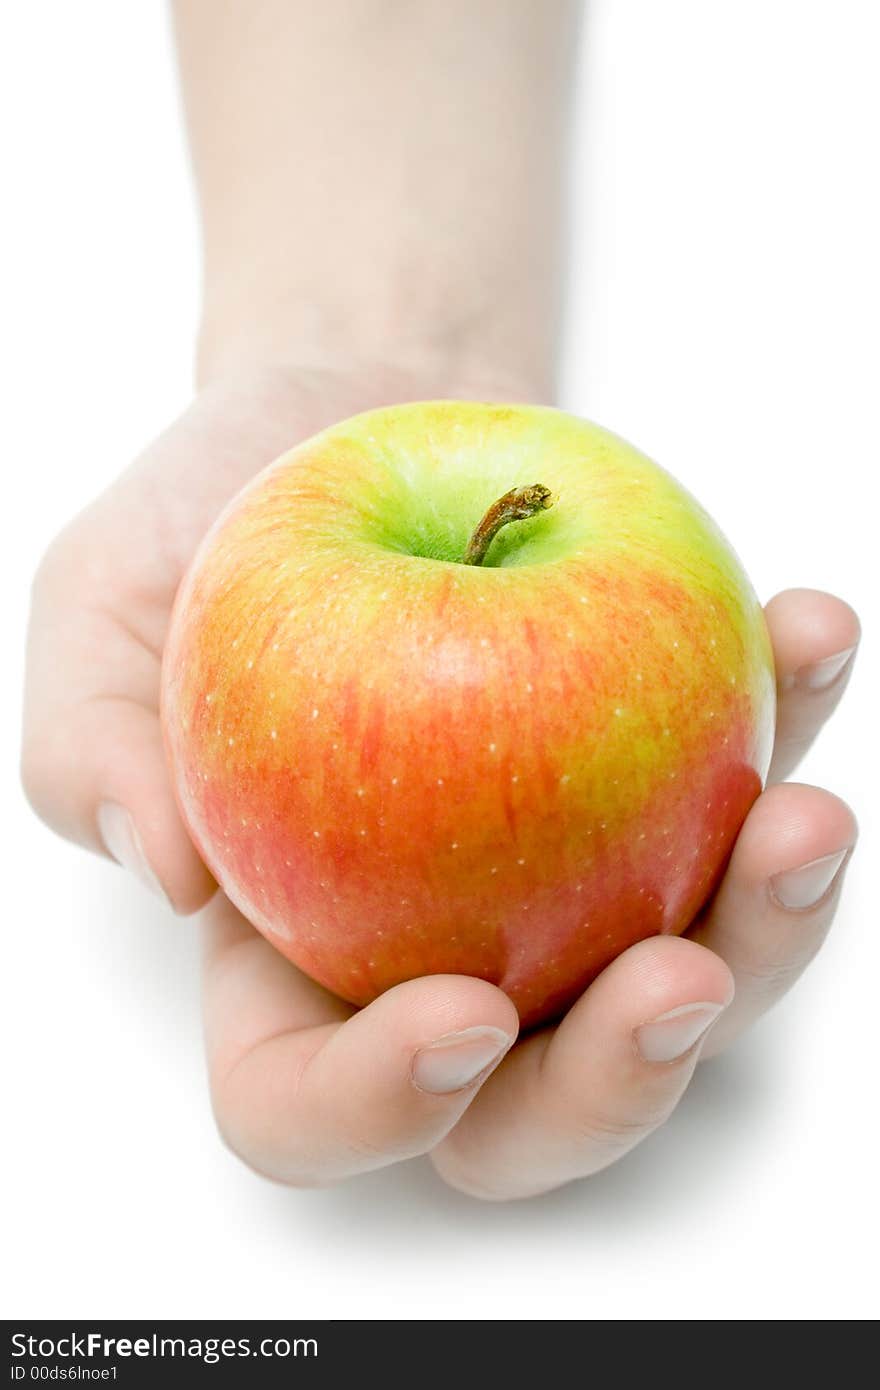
724	317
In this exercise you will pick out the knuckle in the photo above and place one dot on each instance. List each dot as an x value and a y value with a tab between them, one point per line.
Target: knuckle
60	558
240	1135
767	980
614	1135
39	773
466	1178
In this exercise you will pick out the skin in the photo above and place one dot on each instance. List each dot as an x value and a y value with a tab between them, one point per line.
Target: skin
397	765
303	325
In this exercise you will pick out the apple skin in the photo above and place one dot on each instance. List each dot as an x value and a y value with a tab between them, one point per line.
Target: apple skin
396	764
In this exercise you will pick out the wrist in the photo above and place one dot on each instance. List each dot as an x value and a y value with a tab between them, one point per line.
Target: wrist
492	355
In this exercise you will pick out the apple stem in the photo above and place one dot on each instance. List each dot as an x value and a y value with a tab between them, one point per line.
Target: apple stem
516	505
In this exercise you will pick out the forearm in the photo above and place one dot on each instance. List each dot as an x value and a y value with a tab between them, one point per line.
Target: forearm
381	181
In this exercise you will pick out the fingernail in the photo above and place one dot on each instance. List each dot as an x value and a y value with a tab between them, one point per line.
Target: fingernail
824	673
673	1034
456	1061
803	887
122	841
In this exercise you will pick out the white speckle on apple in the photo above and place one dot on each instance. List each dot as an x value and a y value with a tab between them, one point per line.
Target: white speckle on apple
642	836
733	680
618	711
603	825
520	862
234	643
566	777
675	644
383	595
315	713
638	675
244	820
204	776
439	781
287	862
484	641
273	733
712	642
317	834
481	598
271	694
672	776
250	665
492	747
334	576
711	714
454	845
529	687
514	778
493	871
578	887
274	646
362	832
359	792
665	733
277	928
394	781
230	741
209	697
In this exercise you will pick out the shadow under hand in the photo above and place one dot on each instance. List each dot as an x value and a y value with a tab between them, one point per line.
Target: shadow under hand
677	1166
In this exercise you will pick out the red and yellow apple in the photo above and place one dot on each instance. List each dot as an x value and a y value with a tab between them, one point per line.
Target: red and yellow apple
397	764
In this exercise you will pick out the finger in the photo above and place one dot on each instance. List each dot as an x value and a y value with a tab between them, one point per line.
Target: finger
567	1103
778	897
308	1091
93	763
815	637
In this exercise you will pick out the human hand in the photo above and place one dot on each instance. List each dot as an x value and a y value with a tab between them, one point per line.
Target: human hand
307	1089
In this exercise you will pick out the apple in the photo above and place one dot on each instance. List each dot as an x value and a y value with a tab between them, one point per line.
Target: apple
468	688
